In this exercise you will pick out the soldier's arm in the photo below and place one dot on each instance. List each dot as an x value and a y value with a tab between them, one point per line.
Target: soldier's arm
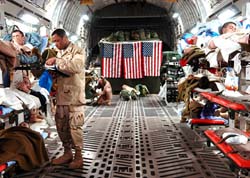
71	66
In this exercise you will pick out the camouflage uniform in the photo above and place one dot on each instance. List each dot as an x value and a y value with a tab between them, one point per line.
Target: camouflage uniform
70	96
69	122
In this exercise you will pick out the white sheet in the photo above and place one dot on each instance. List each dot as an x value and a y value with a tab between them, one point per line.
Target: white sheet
9	99
32	102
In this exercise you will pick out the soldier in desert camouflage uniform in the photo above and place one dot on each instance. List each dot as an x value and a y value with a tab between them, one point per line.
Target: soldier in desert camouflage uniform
70	98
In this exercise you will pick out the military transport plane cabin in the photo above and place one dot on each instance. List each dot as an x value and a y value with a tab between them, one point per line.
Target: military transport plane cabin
124	88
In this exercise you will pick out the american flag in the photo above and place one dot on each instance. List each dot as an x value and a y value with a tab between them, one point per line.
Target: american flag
152	57
132	60
111	60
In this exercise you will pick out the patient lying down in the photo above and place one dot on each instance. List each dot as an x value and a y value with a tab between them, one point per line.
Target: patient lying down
23	145
21	82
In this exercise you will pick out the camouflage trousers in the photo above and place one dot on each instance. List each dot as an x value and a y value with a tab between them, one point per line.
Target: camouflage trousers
69	124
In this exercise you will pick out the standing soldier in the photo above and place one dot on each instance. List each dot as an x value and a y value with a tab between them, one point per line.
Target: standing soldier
70	98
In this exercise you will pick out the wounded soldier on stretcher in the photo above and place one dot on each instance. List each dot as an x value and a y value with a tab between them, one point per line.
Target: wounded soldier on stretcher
227	46
22	83
218	51
26	53
24	146
35	115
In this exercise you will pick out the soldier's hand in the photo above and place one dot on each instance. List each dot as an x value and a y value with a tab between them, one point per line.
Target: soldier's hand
51	61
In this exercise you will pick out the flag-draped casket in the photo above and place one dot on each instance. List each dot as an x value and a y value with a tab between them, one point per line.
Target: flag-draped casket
131	60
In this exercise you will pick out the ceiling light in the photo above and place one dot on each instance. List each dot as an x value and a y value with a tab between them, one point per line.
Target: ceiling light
194	30
228	13
85	17
175	15
73	38
28	18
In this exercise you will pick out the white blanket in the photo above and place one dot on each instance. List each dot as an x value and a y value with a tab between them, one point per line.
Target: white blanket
9	99
32	102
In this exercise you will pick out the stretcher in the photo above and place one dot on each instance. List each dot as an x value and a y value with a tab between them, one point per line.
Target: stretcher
204	122
10	117
228	103
233	105
13	118
4	168
237	153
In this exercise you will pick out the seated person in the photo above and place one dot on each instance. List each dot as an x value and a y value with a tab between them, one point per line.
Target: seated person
25	86
105	95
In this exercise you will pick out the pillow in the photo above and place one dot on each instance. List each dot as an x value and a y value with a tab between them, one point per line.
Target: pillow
234	138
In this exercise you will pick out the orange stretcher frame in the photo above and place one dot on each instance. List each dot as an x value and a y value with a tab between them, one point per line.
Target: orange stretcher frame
204	121
3	167
221	101
227	150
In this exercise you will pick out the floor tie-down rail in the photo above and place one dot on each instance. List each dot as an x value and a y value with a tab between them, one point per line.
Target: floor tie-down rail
141	138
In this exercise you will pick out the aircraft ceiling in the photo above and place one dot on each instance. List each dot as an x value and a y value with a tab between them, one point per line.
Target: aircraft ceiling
68	13
190	11
109	16
187	9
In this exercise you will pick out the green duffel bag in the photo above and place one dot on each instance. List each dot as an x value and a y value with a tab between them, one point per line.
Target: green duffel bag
154	35
147	34
120	36
125	95
134	95
142	34
127	36
142	89
135	35
111	37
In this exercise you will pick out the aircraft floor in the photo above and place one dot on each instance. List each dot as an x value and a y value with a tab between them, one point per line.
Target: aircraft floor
137	139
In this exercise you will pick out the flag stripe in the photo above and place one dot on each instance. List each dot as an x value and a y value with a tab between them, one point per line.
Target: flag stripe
132	60
111	60
152	58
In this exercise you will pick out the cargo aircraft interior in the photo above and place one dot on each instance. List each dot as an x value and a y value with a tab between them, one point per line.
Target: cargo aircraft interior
124	88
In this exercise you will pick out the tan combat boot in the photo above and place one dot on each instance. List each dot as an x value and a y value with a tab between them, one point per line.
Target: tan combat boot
67	157
78	160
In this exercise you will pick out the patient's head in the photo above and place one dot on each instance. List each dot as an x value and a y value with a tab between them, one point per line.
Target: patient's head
18	37
21	81
228	27
24	85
